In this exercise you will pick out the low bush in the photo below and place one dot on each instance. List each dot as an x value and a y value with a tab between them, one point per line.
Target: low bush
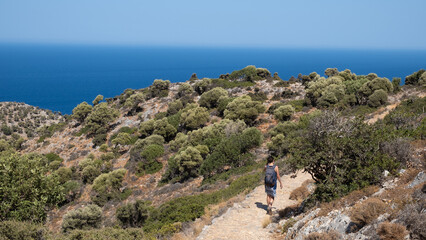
107	186
211	98
14	230
83	218
391	231
299	193
107	233
149	163
159	88
288	224
367	211
284	113
134	214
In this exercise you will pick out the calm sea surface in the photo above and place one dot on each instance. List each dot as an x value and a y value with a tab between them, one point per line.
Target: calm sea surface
60	77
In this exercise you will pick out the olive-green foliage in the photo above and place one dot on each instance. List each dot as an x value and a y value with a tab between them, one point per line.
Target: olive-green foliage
193	118
178	142
4	145
184	90
408	118
89	173
64	174
325	92
107	186
203	85
244	108
352	87
122	138
379	97
81	111
100	117
83	218
160	88
146	128
149	163
99	139
222	103
284	113
159	127
347	151
189	208
97	100
422	79
211	98
140	145
378	83
330	72
26	187
15	230
396	83
415	78
250	73
104	233
6	130
132	102
175	107
72	190
163	128
231	152
185	164
258	95
133	214
48	131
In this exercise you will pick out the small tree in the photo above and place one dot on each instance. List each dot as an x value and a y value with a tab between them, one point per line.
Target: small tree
163	128
211	98
81	111
202	86
396	83
100	117
175	107
284	113
83	218
133	214
107	186
122	139
184	90
414	78
329	72
160	88
97	100
194	118
378	98
244	108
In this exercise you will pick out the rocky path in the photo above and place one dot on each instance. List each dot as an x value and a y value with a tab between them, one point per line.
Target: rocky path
245	219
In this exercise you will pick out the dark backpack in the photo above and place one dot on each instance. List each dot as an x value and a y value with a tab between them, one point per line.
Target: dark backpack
270	176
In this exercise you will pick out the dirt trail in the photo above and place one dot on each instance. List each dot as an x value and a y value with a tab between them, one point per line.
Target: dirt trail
244	220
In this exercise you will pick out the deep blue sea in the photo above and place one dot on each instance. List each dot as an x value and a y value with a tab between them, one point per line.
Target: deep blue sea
58	77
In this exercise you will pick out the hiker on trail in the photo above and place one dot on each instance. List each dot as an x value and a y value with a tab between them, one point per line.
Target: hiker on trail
271	175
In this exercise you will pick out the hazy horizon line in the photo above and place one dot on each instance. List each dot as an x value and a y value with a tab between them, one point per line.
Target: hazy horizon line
129	45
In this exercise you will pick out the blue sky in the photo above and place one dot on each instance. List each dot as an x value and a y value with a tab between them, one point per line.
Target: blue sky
388	24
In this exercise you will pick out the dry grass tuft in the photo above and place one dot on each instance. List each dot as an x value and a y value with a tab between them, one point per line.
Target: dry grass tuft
391	231
332	235
299	193
367	211
347	200
289	211
266	221
288	224
408	175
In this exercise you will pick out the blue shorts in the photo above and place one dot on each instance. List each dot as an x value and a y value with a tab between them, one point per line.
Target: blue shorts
271	191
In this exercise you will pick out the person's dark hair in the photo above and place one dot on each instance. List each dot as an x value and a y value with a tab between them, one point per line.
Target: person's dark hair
270	159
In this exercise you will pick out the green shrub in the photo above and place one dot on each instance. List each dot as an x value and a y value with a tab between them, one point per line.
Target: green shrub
378	98
243	108
140	145
284	113
396	83
414	78
133	214
163	128
330	72
71	190
174	107
107	186
194	118
97	100
146	128
64	174
184	164
105	233
160	88
184	90
14	230
211	98
89	173
6	130
83	218
132	103
99	139
325	92
203	85
100	117
149	163
26	188
81	111
122	139
250	73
